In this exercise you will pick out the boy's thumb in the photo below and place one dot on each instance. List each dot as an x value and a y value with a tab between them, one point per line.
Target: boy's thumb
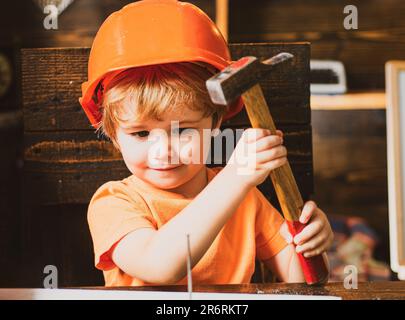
285	233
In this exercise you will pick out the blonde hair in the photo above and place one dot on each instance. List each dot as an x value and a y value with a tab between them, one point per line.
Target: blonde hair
148	92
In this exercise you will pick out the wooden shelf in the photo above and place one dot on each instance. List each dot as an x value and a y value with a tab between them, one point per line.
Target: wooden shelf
363	100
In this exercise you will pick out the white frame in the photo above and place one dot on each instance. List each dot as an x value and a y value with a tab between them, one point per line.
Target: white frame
338	68
395	114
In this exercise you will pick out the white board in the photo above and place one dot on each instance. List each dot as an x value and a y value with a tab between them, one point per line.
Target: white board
395	86
88	294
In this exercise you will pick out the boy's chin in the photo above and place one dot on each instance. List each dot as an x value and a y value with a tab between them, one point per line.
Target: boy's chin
174	178
166	179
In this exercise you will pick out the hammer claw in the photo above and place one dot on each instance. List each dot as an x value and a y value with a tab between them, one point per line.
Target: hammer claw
279	58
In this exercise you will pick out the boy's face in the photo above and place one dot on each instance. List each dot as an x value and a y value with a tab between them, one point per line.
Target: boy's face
167	153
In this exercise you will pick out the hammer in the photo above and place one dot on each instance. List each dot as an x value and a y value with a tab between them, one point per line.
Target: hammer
242	78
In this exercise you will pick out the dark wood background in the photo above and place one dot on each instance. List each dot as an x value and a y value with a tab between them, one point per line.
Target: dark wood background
346	182
380	36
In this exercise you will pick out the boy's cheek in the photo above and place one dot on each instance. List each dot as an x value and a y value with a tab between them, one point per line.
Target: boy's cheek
135	156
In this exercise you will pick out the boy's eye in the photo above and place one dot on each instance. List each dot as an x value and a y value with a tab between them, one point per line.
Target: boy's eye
141	134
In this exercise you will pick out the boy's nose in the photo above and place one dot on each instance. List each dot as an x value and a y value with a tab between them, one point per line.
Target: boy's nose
163	153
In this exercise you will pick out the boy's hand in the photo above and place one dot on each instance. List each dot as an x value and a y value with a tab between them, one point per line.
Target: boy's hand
317	235
256	154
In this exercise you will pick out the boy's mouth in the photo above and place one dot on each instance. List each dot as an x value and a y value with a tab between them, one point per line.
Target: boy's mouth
166	168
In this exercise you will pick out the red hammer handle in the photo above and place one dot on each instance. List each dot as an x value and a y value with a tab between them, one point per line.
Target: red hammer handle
315	269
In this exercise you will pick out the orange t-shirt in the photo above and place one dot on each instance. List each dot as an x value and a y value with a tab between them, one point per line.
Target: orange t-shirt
119	207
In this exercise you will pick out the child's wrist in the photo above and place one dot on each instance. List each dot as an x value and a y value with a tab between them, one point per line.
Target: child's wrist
234	177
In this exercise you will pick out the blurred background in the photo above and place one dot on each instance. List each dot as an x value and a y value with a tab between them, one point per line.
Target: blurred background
348	130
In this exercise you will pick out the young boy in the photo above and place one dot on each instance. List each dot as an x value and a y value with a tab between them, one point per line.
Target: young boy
150	100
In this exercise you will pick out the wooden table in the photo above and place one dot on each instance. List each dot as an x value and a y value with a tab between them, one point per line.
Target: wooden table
381	290
366	291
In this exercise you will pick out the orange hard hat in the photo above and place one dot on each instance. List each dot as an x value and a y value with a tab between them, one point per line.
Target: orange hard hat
151	32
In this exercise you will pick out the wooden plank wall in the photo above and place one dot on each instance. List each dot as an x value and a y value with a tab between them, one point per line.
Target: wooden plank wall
10	168
65	162
380	37
10	197
77	25
350	168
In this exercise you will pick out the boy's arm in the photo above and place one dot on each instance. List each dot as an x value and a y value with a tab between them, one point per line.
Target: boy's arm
288	257
160	256
285	265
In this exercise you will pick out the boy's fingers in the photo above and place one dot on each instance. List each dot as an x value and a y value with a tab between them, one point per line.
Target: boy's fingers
285	233
316	243
307	211
271	154
313	253
267	142
253	134
308	232
272	164
322	248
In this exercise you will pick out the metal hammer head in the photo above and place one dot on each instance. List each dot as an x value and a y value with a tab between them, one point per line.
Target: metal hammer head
234	80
